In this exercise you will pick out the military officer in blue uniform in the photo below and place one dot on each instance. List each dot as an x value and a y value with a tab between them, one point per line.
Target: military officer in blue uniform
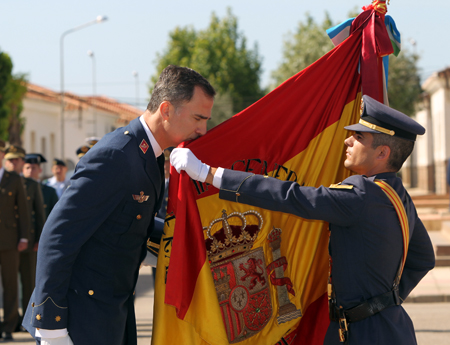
96	236
58	181
365	235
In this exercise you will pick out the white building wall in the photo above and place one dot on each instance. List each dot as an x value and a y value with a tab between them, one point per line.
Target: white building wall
41	130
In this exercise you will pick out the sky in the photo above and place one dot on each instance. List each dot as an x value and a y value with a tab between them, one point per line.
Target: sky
125	46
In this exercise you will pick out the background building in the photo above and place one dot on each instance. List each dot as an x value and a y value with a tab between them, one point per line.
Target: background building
84	117
426	169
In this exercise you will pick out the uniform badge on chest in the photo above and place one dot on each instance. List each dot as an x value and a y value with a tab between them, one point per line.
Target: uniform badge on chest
143	146
140	198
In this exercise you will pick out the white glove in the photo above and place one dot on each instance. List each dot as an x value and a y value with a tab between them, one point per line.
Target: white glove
184	159
65	340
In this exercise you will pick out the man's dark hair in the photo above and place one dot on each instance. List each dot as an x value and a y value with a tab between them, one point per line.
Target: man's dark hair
176	85
400	149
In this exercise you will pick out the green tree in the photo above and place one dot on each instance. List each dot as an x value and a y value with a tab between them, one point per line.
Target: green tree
12	91
5	78
404	82
220	54
308	44
311	42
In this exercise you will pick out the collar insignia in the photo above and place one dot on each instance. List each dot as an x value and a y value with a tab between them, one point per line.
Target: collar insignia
144	146
140	198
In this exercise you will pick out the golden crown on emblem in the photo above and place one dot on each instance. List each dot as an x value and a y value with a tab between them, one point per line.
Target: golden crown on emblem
232	239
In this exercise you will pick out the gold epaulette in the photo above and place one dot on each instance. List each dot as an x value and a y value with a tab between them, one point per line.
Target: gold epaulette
341	186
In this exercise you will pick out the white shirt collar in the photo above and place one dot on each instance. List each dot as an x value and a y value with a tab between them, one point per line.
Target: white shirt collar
2	170
154	144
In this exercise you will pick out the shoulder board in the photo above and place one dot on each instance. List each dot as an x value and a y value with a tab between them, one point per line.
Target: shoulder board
341	186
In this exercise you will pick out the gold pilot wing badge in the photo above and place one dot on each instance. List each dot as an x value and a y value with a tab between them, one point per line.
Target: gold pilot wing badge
143	146
141	197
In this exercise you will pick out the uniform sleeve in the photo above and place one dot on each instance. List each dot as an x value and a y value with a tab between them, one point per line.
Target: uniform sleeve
419	261
39	211
22	209
52	200
94	192
338	206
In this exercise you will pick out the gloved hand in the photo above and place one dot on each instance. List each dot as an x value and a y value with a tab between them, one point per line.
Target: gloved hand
65	340
184	159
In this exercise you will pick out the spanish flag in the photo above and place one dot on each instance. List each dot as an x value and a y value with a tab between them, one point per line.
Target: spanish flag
230	273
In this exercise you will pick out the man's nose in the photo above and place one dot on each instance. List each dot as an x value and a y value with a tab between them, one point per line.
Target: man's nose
348	141
202	129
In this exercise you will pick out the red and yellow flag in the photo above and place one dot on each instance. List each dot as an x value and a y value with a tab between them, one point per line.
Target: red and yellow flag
233	273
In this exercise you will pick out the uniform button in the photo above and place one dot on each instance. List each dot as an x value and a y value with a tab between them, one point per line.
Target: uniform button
91	292
138	217
238	194
45	206
15	207
28	198
32	304
126	132
38	317
134	293
10	193
58	318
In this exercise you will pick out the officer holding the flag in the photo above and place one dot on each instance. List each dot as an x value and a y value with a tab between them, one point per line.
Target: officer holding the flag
379	248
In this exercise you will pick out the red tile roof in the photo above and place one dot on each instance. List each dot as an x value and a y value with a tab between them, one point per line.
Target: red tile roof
123	111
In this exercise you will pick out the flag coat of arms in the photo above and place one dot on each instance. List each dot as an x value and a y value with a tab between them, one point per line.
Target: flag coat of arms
230	273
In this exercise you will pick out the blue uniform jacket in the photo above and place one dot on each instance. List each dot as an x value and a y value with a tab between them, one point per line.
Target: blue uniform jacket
365	243
94	241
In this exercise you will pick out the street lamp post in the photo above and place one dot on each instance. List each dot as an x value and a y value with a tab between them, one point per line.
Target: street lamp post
99	19
91	54
136	76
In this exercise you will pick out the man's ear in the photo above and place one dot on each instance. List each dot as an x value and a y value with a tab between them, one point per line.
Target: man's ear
165	109
385	152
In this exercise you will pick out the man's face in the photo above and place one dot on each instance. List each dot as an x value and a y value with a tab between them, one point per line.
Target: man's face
32	171
189	120
14	164
361	157
59	172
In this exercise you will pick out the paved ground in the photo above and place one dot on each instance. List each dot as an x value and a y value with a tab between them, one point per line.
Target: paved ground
431	320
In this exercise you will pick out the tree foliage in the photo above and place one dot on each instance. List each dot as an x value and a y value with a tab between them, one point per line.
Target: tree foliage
5	79
308	44
404	82
220	54
12	91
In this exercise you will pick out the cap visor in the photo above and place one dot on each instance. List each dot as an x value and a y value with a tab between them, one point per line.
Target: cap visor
357	127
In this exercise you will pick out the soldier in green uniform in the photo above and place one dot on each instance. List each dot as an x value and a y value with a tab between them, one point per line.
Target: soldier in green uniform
14	161
14	233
